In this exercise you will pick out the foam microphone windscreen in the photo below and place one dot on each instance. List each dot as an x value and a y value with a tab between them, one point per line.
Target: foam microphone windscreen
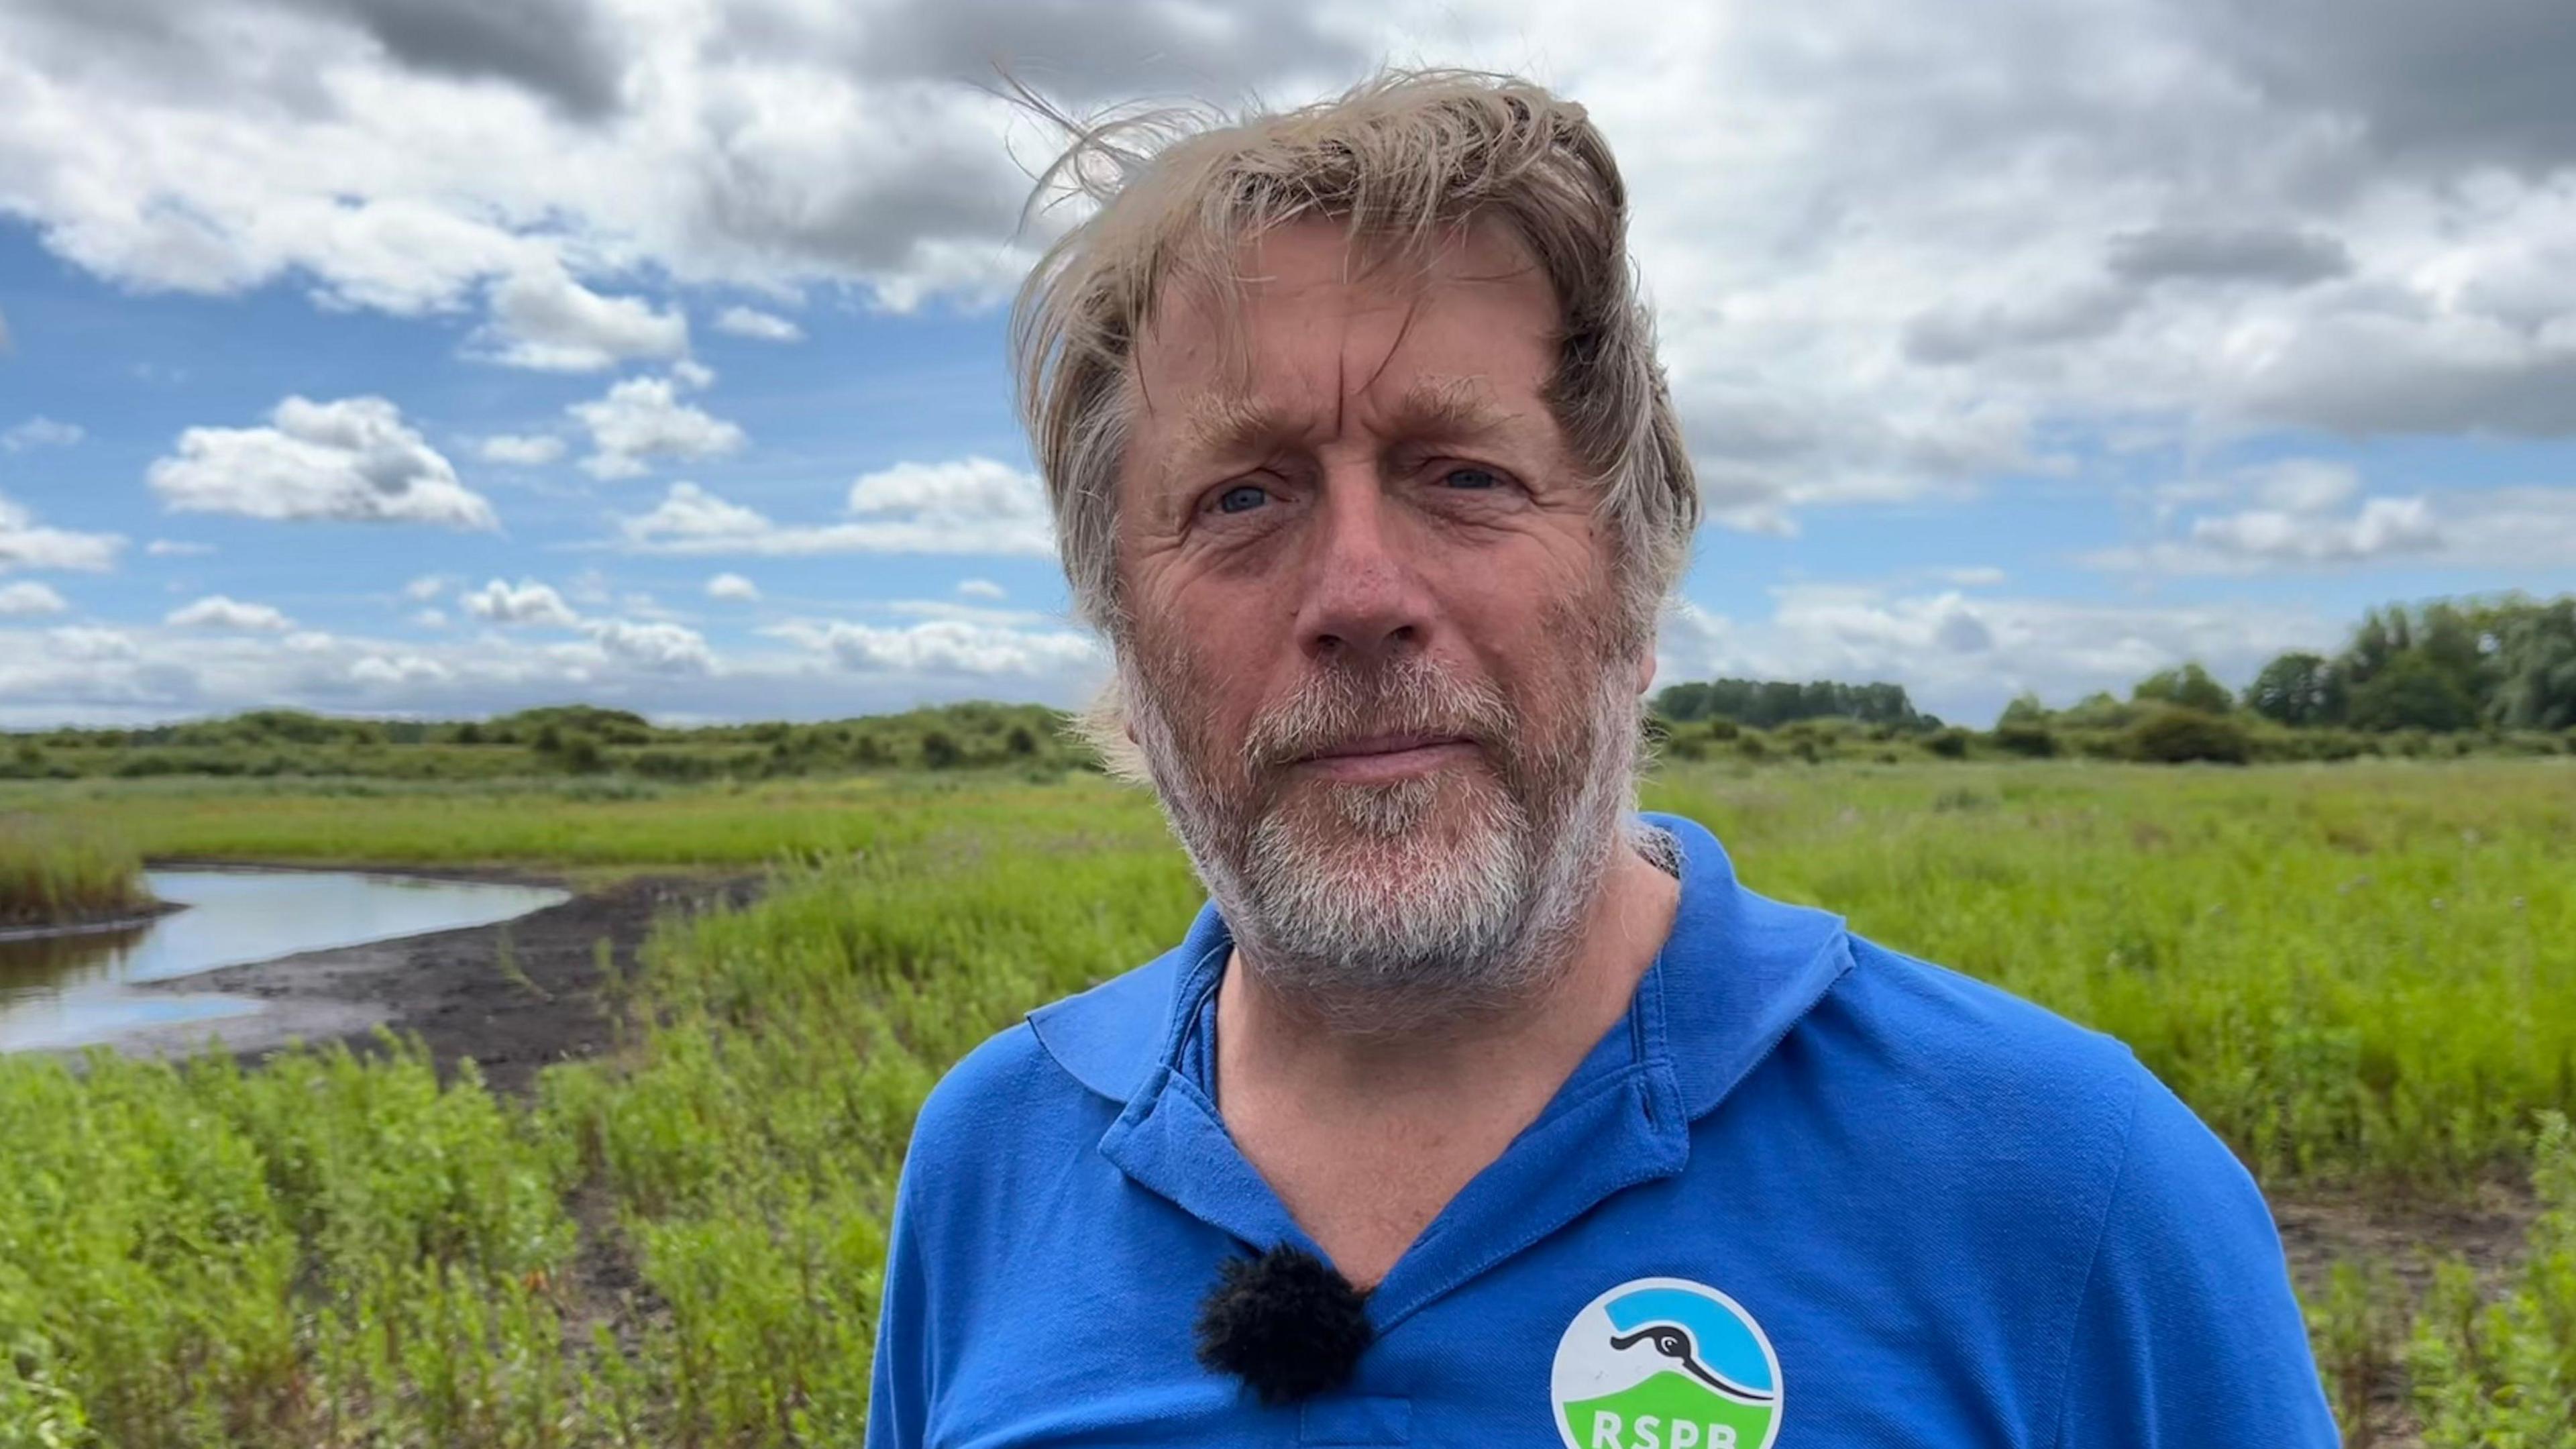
1286	1323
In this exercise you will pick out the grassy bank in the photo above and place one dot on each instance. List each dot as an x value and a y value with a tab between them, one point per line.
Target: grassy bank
2359	974
569	822
54	871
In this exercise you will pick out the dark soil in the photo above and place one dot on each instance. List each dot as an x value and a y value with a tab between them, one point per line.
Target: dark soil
511	1012
2319	1229
2489	1229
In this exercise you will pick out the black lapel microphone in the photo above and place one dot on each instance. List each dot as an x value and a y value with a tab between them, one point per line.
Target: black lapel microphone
1285	1322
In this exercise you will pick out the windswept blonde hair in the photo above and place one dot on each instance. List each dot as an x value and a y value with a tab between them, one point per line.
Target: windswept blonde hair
1400	160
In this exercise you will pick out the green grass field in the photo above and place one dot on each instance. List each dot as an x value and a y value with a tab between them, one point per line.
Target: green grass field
2362	975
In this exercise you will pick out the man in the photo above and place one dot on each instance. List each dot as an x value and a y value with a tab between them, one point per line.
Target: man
1476	1109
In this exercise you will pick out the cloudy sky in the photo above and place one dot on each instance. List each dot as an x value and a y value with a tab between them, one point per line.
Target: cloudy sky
447	356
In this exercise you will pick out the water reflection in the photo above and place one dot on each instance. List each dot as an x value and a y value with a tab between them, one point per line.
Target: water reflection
67	990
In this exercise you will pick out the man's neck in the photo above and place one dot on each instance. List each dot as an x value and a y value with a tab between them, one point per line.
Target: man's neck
1366	1136
1268	1033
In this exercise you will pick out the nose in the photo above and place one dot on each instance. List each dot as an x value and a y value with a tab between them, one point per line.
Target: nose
1364	602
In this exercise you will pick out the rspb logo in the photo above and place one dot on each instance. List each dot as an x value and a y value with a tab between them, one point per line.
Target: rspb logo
1665	1363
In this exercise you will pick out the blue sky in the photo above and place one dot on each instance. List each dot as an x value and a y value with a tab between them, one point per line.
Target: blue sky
452	359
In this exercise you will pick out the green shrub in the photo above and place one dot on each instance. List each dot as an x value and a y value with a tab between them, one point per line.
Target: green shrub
2503	1373
2032	741
579	753
2357	1328
1950	743
2173	735
940	750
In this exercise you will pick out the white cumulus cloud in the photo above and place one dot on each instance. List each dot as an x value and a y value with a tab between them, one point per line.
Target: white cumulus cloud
2304	514
399	669
215	611
969	506
353	460
529	602
733	588
27	599
543	319
643	419
946	646
26	544
759	326
520	450
88	644
662	647
40	432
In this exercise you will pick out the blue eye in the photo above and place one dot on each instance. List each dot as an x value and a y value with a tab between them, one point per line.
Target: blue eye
1470	478
1242	498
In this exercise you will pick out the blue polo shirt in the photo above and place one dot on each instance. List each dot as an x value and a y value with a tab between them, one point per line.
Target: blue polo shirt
1808	1192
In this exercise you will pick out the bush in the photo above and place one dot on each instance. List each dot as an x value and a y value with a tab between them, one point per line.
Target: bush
2034	741
2174	735
580	754
1949	744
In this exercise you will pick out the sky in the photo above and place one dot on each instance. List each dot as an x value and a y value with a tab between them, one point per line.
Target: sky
445	357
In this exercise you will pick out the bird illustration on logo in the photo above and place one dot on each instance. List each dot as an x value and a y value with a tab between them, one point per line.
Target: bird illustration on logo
1664	1363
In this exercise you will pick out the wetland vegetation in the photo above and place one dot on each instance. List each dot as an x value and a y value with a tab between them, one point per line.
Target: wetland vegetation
57	872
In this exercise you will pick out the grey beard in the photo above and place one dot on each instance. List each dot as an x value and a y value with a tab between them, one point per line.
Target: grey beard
1359	906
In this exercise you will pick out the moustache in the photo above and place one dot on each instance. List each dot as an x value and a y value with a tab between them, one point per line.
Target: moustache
1340	707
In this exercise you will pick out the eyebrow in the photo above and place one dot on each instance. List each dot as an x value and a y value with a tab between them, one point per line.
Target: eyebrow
1453	409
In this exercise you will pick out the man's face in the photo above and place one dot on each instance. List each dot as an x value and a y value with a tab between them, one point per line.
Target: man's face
1370	658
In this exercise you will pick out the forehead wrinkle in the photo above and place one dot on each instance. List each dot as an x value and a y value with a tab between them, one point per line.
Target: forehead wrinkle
1222	420
1450	407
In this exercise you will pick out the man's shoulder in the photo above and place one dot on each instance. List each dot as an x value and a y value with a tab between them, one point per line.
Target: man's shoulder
2064	1107
1969	1036
1084	1051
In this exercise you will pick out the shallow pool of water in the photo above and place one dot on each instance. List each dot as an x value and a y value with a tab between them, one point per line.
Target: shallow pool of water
58	991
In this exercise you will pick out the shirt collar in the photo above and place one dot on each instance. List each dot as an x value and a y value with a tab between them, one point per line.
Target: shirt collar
1737	972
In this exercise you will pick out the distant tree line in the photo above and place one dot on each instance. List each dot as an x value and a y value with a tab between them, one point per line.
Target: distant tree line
2441	668
1769	703
2509	664
574	739
2446	678
2503	670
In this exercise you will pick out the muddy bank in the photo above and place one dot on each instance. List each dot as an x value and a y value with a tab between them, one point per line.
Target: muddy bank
134	919
512	1013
